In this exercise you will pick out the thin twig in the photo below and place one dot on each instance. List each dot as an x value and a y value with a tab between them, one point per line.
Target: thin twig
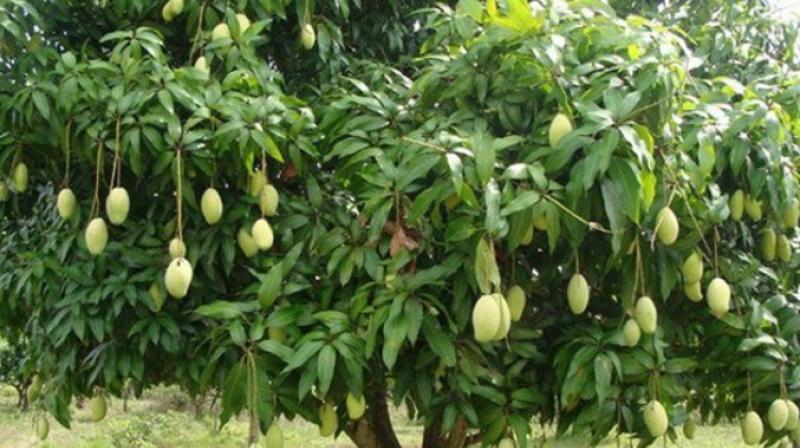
592	225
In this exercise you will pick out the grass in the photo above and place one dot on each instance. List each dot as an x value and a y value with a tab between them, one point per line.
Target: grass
164	418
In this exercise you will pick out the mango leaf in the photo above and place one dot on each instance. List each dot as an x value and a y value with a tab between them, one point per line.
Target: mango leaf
486	271
326	365
222	309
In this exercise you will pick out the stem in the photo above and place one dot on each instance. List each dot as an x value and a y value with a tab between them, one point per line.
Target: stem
424	144
98	165
67	133
198	33
114	166
695	222
254	424
179	194
591	225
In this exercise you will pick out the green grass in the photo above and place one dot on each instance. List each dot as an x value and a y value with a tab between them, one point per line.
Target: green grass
165	418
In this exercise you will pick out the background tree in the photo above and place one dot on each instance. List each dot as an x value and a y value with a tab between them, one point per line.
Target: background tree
418	168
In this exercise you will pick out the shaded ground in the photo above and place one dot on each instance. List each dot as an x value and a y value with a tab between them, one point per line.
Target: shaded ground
164	418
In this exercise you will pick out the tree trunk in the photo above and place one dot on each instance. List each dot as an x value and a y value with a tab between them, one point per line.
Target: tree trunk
374	429
435	438
22	397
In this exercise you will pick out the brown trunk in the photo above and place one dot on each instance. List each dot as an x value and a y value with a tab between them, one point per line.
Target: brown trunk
458	434
22	398
374	429
379	419
361	434
434	438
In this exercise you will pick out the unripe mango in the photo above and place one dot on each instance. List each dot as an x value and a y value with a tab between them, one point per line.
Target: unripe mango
692	268
540	221
19	178
752	428
632	332
791	215
202	64
646	315
486	318
168	12
155	294
246	243
783	248
211	205
274	437
689	429
527	237
505	317
3	192
256	183
356	406
307	36
737	205
276	334
177	6
35	389
98	408
118	203
176	248
559	127
262	234
795	434
243	21
718	296
667	226
452	201
507	442
793	419
328	419
221	31
516	302
42	427
778	414
693	291
268	200
753	208
178	277
577	294
96	236
655	418
66	203
768	241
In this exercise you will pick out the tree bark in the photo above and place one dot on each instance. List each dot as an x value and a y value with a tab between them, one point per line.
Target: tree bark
22	397
379	419
374	429
435	438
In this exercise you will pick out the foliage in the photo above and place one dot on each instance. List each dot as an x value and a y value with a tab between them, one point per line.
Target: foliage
409	174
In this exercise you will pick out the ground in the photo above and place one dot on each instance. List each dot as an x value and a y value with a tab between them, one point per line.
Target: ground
164	418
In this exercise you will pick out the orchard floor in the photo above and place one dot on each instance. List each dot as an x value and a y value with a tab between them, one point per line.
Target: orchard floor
164	418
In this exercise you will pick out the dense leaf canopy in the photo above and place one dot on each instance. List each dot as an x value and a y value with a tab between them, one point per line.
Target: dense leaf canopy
417	170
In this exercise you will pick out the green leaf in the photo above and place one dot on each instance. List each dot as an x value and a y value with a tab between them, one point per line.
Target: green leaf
627	186
303	354
326	365
486	271
271	286
439	341
602	376
222	309
520	202
483	149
